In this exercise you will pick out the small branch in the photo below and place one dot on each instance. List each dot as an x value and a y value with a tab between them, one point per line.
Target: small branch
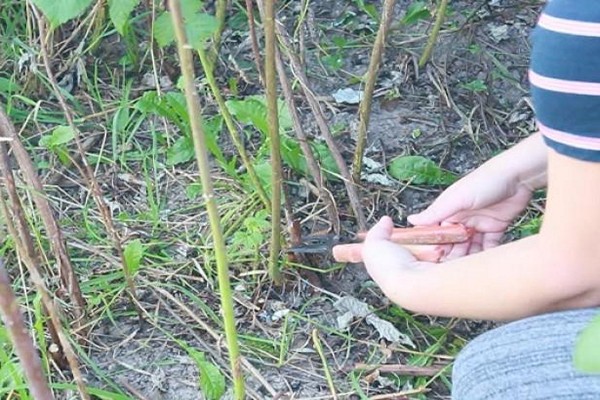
401	369
233	132
317	111
253	38
365	105
199	139
311	162
24	348
273	120
33	269
220	14
319	349
439	19
68	277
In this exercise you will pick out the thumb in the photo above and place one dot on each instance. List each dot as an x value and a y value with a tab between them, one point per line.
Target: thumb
382	230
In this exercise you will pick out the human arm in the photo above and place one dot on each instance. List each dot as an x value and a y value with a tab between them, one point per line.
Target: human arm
489	198
559	268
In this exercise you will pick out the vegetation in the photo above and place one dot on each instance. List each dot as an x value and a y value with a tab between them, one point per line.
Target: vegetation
116	239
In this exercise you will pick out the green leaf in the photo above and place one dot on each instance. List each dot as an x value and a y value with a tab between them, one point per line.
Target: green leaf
419	170
199	27
163	30
60	135
587	348
253	110
476	85
60	11
415	12
182	151
212	381
133	253
119	11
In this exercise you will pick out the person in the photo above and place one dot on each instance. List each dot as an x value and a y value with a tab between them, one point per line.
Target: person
548	284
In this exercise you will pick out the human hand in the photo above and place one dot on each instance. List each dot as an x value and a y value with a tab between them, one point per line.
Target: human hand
487	200
385	261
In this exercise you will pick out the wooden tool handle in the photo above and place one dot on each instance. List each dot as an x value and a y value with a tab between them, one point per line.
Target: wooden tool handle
429	234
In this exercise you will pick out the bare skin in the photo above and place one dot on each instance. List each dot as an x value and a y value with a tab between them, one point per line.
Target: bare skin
559	268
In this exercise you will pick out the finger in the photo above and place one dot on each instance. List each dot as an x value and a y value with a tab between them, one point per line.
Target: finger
352	253
348	253
491	240
441	209
457	251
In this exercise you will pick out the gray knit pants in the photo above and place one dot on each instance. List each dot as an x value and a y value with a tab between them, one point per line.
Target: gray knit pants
529	359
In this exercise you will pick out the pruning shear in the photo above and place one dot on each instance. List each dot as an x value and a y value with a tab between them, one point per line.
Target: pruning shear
425	242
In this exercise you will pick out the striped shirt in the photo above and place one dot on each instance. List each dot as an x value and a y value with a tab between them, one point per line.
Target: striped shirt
565	77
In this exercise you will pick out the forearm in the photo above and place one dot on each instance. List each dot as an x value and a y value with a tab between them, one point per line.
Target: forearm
511	281
556	269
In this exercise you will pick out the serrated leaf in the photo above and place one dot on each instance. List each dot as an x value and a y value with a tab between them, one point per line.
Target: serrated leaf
60	11
253	110
199	27
292	155
119	11
587	348
182	151
212	381
59	136
133	253
163	30
419	170
416	12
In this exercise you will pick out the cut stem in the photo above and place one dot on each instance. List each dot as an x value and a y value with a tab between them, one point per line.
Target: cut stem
273	119
439	19
364	111
199	139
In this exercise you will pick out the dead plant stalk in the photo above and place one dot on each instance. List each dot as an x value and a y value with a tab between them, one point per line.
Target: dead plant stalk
298	71
365	105
85	168
28	356
33	269
199	139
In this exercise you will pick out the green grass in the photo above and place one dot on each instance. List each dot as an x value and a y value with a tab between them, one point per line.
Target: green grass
143	160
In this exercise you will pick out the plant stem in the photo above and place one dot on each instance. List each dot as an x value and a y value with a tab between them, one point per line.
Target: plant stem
24	348
33	268
365	105
273	119
220	14
254	40
441	13
298	71
194	110
233	132
311	162
319	348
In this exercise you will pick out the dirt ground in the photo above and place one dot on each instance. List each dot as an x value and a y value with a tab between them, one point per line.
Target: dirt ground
467	104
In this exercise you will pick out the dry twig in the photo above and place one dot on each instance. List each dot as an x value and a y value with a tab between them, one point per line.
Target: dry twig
24	348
